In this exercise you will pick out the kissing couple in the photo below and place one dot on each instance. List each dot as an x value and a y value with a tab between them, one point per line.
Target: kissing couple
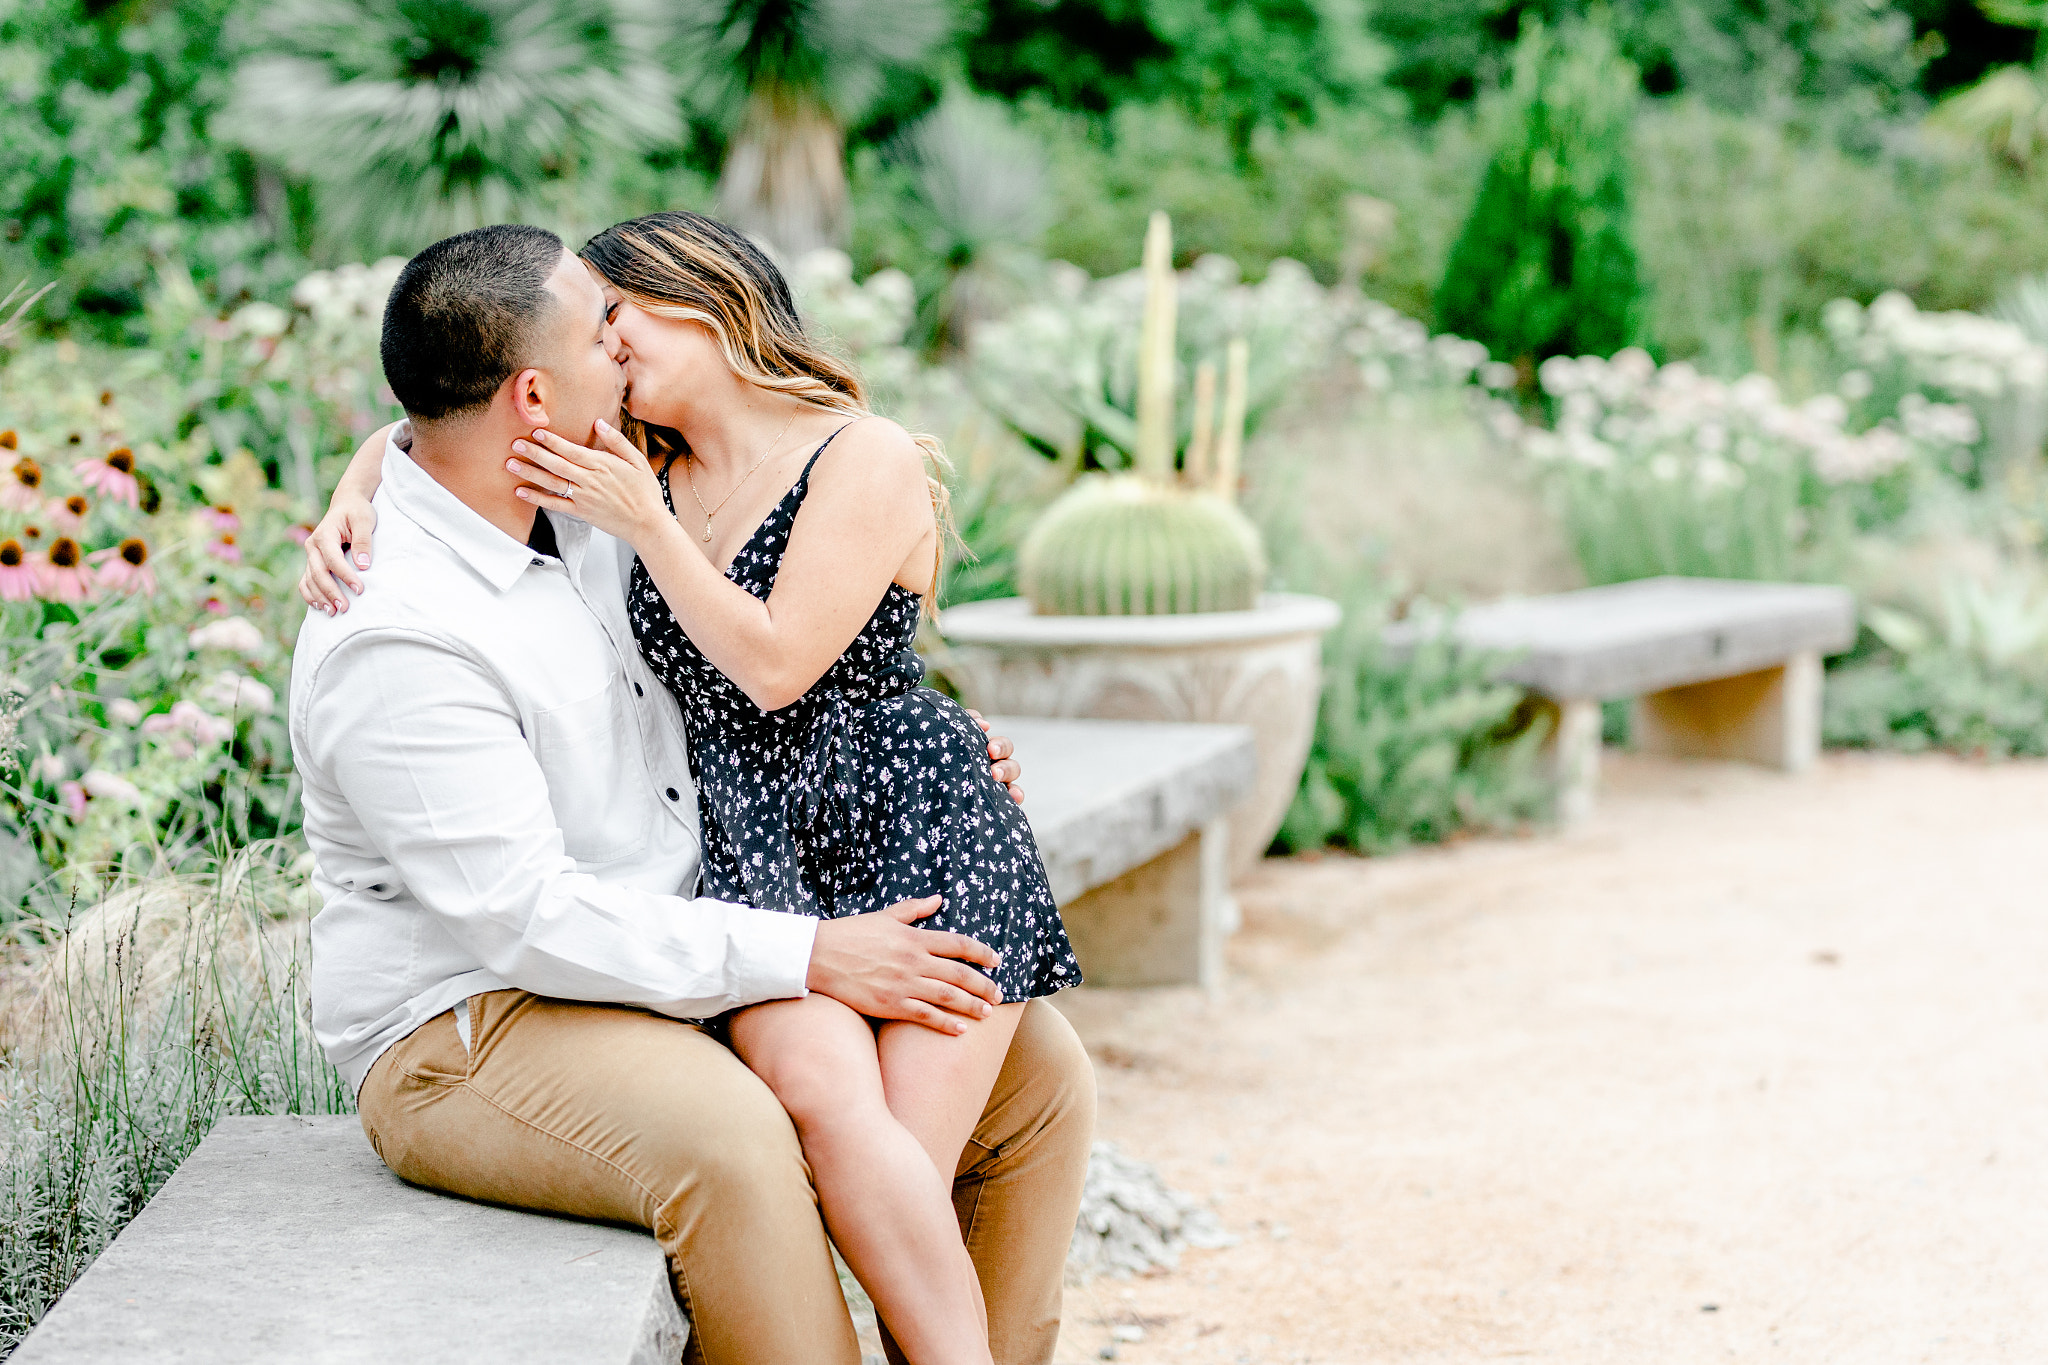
656	888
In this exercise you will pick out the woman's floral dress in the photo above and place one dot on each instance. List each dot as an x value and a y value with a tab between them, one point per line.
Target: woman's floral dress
867	790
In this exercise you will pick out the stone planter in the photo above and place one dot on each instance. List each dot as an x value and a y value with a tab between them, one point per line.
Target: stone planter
1261	668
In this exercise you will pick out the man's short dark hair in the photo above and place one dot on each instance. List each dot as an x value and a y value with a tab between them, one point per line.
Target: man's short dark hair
464	317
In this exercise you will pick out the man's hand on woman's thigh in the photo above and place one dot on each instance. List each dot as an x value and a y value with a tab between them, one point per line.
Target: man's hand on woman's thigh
883	966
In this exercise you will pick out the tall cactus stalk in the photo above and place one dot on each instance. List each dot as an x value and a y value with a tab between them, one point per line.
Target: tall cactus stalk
1156	355
1195	468
1230	442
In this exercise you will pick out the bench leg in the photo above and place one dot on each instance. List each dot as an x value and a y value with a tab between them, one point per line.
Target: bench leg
1162	924
1574	756
1770	717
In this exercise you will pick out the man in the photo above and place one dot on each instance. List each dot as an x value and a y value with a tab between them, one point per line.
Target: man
499	804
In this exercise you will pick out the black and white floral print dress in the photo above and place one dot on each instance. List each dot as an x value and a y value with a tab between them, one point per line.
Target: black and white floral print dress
867	790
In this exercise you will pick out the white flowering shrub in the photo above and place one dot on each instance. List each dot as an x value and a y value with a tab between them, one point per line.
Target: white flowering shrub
1891	353
1062	372
1397	354
1666	470
865	320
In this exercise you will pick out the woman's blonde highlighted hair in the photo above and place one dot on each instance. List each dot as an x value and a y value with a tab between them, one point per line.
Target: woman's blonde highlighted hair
691	268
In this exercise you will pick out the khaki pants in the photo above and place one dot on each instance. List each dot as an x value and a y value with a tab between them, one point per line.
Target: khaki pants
613	1113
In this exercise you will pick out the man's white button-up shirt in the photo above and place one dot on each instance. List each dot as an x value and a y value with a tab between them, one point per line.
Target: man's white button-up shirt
498	792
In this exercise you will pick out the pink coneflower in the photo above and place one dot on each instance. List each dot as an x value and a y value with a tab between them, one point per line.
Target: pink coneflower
125	568
113	476
69	513
9	441
65	577
20	490
299	532
17	576
221	518
73	797
225	549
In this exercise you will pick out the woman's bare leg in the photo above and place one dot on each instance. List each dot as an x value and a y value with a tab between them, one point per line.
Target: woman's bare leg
886	1205
937	1084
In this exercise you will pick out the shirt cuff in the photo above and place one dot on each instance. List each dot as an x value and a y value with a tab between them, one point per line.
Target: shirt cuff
775	949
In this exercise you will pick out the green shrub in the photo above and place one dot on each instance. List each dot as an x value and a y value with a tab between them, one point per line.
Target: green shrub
1935	700
1414	751
1546	264
1969	674
108	165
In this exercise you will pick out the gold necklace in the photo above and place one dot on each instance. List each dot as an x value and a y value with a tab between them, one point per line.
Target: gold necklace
710	512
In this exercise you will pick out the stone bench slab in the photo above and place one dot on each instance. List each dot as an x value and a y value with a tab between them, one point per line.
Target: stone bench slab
1107	796
1630	638
1131	820
1718	668
286	1239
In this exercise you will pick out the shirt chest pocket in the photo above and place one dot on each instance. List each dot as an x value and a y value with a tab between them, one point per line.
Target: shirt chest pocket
586	751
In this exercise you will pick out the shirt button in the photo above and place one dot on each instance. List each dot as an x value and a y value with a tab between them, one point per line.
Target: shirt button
674	795
638	690
538	562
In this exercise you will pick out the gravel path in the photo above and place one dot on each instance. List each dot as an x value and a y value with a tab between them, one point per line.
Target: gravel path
1748	1068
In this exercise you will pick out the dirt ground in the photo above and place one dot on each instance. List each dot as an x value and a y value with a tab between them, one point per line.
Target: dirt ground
1748	1068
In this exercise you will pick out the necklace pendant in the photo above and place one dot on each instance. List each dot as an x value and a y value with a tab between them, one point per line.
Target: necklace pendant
707	533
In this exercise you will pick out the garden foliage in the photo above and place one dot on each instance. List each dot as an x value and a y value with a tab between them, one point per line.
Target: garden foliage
1414	750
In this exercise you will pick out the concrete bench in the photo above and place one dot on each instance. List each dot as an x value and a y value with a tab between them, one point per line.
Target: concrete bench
1130	820
1718	668
286	1239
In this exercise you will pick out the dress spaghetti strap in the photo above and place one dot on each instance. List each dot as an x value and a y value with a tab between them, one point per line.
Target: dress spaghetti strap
805	477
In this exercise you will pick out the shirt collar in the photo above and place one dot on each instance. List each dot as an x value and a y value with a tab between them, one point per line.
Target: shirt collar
497	557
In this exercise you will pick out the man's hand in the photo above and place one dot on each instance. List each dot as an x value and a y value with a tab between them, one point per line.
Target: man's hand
883	967
1006	768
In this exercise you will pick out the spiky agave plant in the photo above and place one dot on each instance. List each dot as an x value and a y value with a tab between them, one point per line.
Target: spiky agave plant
417	118
1147	543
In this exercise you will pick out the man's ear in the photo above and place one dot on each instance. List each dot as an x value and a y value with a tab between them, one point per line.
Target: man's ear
530	397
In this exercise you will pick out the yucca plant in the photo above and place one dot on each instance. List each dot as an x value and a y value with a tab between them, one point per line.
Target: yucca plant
1154	541
781	79
418	118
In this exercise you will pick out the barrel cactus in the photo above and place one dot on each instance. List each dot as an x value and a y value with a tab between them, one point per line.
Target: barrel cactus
1155	541
1122	545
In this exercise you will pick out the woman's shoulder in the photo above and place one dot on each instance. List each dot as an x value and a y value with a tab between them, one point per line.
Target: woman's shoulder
871	453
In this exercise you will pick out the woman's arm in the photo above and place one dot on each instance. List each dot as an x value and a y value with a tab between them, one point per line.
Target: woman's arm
867	517
346	529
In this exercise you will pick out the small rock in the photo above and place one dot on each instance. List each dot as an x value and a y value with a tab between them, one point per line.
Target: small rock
1128	1331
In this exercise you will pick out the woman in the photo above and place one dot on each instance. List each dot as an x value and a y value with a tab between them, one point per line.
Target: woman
777	597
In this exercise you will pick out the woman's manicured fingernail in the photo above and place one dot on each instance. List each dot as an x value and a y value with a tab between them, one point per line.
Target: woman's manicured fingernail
362	561
603	425
520	493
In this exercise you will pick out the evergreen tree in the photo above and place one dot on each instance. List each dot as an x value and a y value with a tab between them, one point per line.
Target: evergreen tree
1545	264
